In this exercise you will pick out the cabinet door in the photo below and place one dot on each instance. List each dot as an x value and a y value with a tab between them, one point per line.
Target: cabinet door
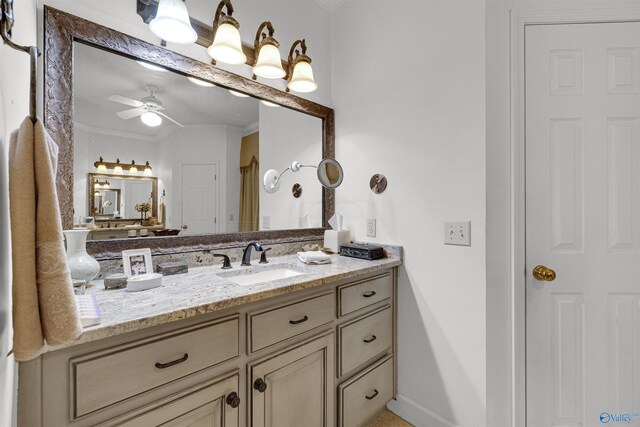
206	405
294	387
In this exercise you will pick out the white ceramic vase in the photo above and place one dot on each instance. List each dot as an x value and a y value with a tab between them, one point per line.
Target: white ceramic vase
82	265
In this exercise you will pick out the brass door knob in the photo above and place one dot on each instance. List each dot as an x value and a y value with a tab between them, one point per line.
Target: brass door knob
544	274
184	227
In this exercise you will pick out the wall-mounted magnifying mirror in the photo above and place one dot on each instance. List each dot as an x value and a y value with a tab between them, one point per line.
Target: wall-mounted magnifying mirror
330	173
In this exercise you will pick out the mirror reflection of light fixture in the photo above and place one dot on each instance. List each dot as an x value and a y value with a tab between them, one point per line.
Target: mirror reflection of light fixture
200	82
151	119
330	175
172	23
268	63
300	74
100	166
147	169
101	184
268	103
238	94
150	66
227	44
117	169
133	170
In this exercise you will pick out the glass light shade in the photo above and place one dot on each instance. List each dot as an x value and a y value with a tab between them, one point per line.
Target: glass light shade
238	94
148	171
227	45
200	82
269	65
106	184
302	78
118	170
150	66
151	119
269	104
102	168
172	23
133	170
96	194
96	185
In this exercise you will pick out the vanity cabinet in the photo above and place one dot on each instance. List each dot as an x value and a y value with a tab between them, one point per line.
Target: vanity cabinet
323	356
295	387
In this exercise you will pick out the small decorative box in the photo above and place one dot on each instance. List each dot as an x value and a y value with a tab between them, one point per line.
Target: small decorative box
171	268
115	281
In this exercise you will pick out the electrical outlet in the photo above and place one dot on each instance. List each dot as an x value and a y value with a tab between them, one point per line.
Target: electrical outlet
371	227
266	222
457	233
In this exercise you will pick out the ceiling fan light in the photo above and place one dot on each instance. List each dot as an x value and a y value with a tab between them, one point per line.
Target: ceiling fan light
269	64
302	78
227	45
172	23
151	119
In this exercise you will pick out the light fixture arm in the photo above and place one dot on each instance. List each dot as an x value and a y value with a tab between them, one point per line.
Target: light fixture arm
294	167
262	37
221	17
299	53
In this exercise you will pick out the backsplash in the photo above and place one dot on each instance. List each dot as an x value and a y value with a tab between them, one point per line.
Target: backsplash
205	257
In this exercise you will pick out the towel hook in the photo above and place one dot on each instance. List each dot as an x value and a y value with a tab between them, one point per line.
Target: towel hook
6	25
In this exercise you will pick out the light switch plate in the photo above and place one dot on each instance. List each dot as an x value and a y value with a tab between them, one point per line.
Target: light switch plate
457	233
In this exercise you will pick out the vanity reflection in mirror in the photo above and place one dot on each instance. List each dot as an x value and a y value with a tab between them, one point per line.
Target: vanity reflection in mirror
208	148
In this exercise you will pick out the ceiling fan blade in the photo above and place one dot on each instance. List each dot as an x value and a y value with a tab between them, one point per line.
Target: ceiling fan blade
130	114
125	101
164	115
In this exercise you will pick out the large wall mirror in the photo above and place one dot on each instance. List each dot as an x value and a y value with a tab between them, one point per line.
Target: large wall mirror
197	160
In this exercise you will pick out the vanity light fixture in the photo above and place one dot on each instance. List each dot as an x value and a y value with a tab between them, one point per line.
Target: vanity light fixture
200	82
227	44
268	63
172	23
238	94
300	76
151	119
117	169
101	167
147	169
101	184
133	170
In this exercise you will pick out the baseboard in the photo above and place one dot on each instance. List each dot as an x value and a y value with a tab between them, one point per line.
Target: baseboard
417	414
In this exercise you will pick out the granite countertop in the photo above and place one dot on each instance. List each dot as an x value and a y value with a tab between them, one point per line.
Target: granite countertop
202	290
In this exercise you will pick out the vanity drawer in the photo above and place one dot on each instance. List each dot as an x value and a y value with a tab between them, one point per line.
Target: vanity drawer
359	295
104	378
364	338
270	327
367	393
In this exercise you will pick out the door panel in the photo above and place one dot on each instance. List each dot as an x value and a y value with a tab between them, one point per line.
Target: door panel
199	199
582	153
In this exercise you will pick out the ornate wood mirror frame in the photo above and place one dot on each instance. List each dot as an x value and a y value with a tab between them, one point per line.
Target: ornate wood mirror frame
93	177
61	31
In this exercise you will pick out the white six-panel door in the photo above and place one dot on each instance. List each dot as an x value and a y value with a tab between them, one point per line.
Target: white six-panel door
199	199
582	219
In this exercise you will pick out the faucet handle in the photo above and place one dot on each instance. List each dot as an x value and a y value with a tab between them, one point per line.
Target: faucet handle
263	256
226	262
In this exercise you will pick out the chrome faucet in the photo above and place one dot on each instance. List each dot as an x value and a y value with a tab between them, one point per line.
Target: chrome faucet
246	255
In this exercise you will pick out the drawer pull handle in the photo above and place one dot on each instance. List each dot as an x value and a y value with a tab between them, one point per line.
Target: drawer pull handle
369	294
173	362
233	399
297	322
372	339
260	385
375	393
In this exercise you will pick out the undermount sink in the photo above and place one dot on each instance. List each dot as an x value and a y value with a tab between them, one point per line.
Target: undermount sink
258	275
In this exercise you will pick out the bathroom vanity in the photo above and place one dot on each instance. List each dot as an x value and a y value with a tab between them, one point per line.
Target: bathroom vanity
314	349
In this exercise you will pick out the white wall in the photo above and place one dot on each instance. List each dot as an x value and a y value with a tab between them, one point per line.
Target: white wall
408	91
285	136
14	106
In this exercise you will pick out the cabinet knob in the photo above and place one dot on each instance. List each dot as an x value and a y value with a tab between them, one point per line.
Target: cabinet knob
233	399
260	385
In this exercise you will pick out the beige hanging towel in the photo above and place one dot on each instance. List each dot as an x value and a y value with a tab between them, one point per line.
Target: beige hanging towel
44	307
